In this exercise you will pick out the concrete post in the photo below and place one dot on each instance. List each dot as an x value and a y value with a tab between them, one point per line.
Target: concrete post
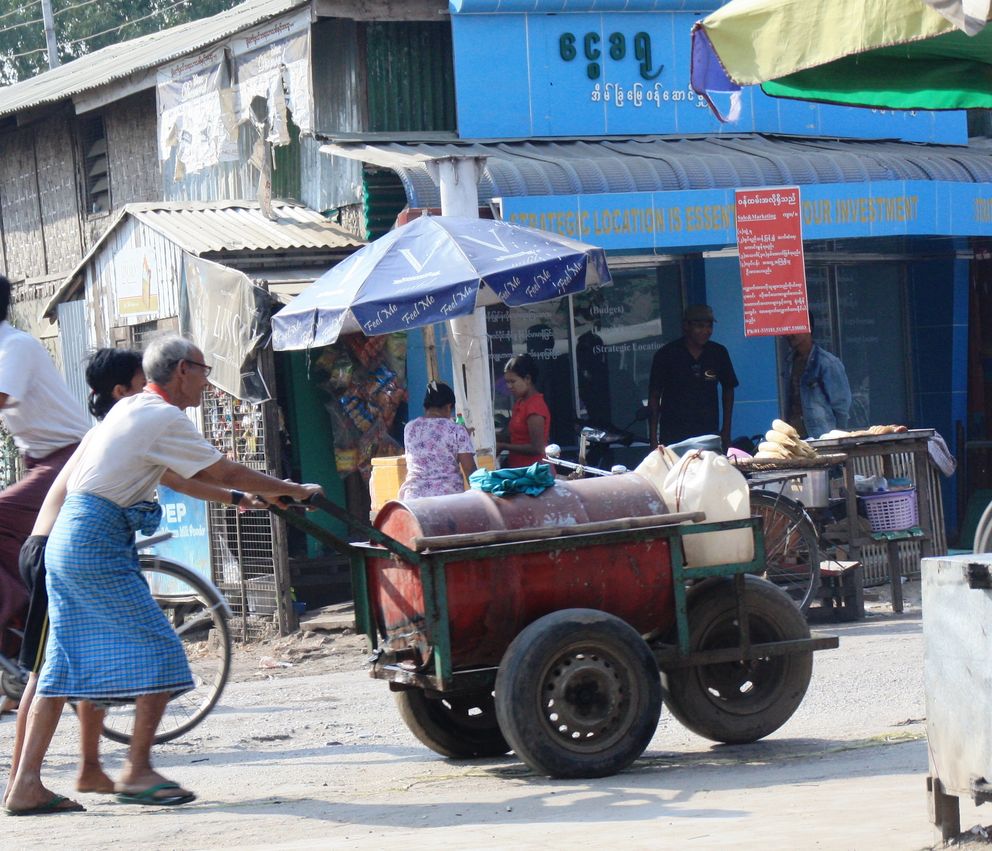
458	179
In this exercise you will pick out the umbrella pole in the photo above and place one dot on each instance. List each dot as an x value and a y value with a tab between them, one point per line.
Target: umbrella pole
430	352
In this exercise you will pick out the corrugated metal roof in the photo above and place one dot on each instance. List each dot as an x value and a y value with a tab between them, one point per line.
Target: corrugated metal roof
117	61
658	164
224	227
227	226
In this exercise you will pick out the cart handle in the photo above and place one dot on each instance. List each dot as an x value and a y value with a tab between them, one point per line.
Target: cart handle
318	500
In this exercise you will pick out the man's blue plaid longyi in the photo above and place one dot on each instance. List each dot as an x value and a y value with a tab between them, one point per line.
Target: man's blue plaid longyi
108	637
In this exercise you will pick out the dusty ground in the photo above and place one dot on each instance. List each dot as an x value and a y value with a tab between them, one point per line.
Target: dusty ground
315	756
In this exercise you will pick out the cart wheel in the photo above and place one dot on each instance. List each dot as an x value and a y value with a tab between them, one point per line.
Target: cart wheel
578	694
738	702
458	726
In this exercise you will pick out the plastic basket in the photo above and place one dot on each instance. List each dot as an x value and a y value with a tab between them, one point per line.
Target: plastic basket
891	511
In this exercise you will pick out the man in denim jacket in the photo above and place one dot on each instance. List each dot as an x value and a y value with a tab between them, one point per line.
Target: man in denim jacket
818	395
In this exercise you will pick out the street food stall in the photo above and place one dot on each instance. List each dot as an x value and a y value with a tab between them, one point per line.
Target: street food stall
905	525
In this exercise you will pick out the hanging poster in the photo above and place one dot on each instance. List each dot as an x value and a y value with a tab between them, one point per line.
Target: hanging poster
773	271
272	61
231	318
196	116
136	280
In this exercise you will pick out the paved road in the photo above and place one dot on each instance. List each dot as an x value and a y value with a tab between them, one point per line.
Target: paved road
304	759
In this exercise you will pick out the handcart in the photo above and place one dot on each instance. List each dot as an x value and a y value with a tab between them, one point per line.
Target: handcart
562	643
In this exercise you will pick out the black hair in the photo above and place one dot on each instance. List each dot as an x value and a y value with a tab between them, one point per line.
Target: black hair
438	395
105	369
523	365
4	297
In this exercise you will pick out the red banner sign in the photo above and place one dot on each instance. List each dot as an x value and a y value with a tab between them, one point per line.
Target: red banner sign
773	272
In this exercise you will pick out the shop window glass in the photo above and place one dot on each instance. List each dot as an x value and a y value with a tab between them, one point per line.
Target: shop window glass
542	331
871	305
617	331
593	351
859	314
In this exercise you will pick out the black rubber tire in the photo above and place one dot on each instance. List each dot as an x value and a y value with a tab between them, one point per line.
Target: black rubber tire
578	694
11	686
739	702
792	555
458	726
205	633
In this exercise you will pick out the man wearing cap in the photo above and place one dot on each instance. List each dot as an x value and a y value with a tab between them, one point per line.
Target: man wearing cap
682	390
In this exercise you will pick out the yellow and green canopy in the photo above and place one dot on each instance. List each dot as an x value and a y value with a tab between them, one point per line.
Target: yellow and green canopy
888	54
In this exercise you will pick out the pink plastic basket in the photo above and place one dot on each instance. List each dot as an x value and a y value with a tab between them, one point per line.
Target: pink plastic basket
891	511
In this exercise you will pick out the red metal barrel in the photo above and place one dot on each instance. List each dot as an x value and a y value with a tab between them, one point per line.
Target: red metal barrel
491	600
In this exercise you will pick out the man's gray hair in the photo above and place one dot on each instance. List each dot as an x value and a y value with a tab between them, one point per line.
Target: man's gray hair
163	355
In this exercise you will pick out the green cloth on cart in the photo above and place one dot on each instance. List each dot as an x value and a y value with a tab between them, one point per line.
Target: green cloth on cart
533	480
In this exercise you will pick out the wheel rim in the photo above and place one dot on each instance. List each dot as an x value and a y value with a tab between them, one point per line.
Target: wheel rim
742	688
586	698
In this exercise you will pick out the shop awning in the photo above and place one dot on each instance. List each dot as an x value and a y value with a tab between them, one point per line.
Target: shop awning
660	193
663	164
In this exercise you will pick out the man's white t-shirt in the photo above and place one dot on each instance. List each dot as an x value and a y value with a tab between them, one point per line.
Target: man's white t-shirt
40	412
125	456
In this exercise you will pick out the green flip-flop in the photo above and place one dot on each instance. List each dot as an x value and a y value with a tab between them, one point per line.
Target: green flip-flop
150	797
54	806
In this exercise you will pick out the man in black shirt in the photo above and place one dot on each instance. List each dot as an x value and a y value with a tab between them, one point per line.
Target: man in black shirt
682	397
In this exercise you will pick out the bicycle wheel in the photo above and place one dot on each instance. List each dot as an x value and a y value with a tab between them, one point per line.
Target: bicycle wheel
792	557
199	615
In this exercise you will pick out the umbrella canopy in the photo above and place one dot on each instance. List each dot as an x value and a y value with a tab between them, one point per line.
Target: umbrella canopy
432	269
888	54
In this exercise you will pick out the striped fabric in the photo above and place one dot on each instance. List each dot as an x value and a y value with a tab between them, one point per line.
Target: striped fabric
108	638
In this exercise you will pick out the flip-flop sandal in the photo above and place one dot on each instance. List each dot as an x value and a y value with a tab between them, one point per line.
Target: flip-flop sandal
149	796
56	805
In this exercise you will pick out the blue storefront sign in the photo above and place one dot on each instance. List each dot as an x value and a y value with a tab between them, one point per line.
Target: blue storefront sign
666	221
606	73
186	519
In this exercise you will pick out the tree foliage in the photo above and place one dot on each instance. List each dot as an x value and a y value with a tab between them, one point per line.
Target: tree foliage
84	26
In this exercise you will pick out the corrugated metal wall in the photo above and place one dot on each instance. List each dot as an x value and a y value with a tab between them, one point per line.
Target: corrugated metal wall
72	339
384	198
339	107
411	82
101	279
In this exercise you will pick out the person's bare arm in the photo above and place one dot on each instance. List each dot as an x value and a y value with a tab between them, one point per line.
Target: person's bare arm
230	474
466	460
206	490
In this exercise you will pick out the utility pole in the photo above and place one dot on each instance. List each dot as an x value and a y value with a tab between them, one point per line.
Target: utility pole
53	45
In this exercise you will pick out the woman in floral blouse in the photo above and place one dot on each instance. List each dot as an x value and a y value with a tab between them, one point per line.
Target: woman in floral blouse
438	450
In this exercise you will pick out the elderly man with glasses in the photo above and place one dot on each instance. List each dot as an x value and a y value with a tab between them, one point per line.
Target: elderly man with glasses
109	640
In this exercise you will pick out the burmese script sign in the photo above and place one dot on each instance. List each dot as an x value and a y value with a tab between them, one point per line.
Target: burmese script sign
773	274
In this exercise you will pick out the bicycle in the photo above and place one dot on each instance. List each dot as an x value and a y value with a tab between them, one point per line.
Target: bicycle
199	614
794	540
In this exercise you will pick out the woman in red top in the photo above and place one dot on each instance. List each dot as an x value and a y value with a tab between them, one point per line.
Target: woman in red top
530	422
